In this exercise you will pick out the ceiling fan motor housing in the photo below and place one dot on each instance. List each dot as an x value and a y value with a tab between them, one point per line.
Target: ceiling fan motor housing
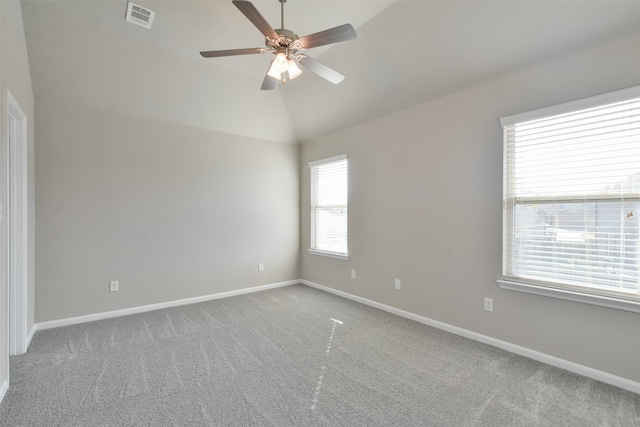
286	39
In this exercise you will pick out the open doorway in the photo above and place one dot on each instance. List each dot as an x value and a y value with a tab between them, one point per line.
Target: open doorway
16	223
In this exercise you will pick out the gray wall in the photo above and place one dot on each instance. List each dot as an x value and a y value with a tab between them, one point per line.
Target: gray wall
425	207
170	211
15	76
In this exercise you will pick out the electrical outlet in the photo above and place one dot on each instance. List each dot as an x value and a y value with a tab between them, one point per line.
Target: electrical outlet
260	267
488	304
398	284
353	274
113	286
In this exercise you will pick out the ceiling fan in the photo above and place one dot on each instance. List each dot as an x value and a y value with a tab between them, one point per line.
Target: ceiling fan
285	44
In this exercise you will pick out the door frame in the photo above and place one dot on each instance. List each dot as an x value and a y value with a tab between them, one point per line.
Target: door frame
16	225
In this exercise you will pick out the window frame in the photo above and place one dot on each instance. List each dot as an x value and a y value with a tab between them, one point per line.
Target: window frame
313	249
562	291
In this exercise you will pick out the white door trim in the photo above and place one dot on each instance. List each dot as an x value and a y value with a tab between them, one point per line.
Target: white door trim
16	223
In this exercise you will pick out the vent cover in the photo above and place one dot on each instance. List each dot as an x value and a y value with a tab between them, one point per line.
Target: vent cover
139	15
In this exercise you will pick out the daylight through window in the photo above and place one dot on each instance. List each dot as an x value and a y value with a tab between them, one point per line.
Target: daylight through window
329	183
572	196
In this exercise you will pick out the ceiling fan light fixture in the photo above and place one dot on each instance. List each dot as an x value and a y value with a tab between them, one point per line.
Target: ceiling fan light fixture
274	72
285	44
293	69
278	66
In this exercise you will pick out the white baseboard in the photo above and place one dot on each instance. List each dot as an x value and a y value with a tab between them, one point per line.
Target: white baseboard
31	334
144	308
586	371
3	389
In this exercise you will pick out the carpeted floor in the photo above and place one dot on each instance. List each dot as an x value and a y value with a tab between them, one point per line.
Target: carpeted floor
292	356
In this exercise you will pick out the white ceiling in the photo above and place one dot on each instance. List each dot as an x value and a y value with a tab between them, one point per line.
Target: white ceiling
406	53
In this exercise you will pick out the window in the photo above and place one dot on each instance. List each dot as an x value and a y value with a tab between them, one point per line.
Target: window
329	183
571	200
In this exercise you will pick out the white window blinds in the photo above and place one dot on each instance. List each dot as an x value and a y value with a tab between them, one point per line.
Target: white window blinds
572	196
329	184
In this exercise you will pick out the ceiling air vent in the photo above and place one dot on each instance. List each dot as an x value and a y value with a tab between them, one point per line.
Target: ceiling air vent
139	15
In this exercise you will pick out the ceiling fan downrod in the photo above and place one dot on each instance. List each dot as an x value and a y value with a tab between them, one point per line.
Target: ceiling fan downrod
282	2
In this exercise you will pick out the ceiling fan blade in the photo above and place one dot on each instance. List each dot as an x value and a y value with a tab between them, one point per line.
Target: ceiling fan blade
231	52
249	10
332	35
269	83
320	69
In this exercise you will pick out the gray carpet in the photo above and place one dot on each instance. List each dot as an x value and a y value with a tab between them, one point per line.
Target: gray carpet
293	356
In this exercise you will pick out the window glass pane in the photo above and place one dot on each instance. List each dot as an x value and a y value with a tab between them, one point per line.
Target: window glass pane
572	200
589	244
578	153
332	229
329	186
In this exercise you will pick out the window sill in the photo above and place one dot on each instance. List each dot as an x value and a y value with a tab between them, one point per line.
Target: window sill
336	255
604	301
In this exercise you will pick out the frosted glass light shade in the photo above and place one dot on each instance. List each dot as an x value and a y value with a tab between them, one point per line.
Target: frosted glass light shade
293	69
278	66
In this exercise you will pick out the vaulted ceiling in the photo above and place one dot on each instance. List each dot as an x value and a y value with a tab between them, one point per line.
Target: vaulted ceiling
406	53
